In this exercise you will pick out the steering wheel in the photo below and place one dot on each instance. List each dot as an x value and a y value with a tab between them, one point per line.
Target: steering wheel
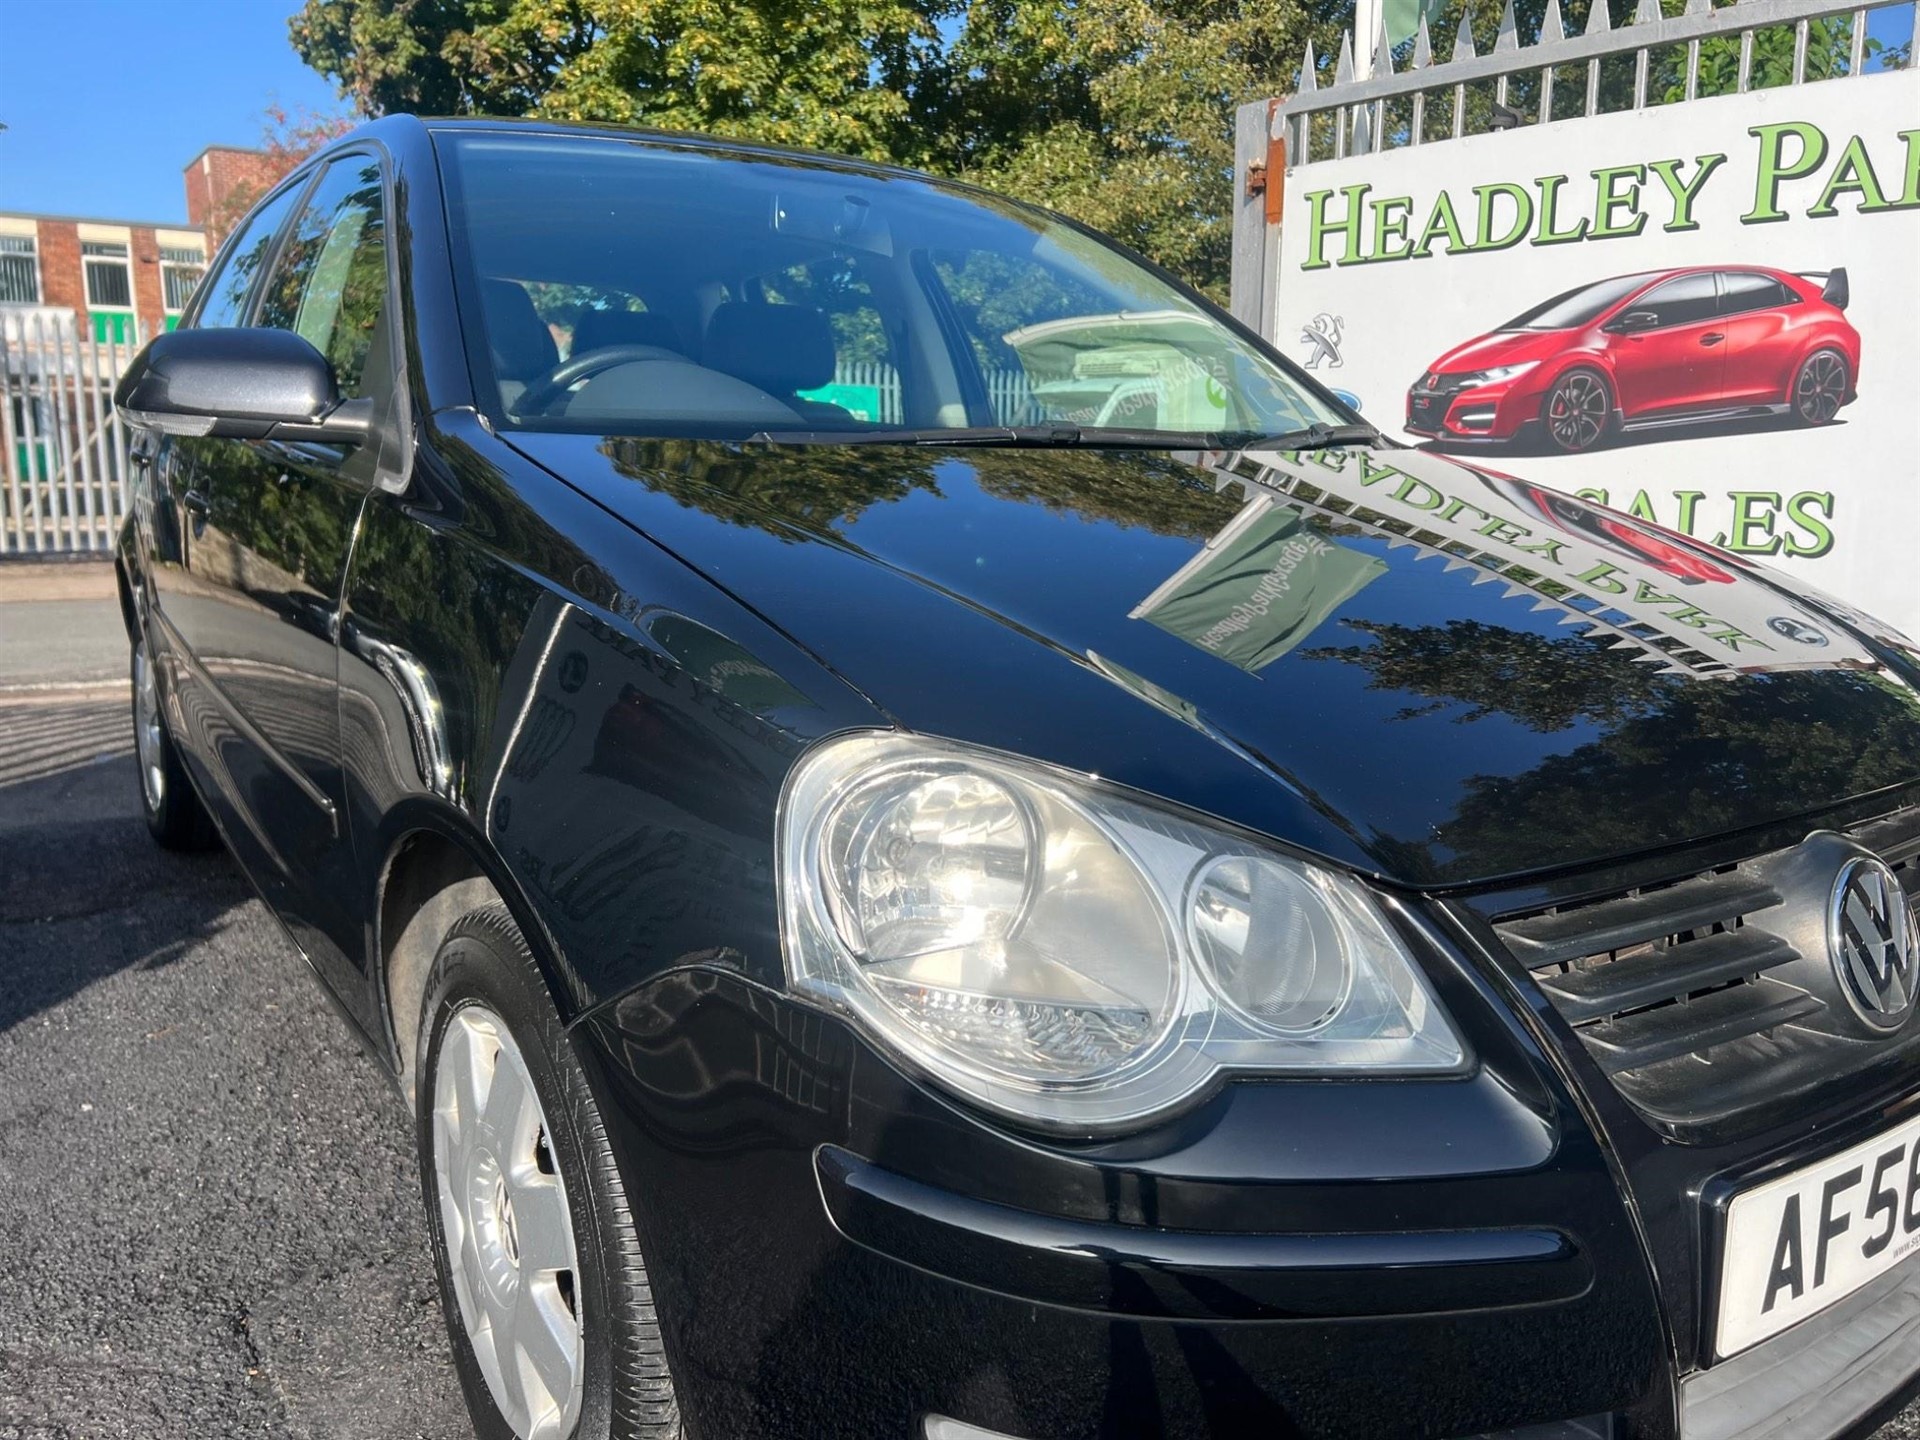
538	397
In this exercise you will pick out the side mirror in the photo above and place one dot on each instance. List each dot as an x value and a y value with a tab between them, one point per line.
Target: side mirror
1631	321
240	385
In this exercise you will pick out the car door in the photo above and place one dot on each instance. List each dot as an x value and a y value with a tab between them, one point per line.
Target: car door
270	528
177	519
1677	363
1755	313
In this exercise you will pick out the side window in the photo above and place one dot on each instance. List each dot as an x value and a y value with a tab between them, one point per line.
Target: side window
1743	291
240	263
330	283
993	295
1053	348
1685	301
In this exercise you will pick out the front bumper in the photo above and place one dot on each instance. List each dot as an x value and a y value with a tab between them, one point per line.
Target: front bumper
1497	412
1839	1373
839	1250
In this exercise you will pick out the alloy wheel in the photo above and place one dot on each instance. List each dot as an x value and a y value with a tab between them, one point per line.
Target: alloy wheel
1821	388
1577	411
507	1226
147	735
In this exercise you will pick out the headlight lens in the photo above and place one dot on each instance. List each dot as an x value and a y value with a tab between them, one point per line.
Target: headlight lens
1070	956
1497	374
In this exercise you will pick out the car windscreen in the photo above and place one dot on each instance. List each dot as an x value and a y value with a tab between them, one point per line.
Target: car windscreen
1578	307
644	287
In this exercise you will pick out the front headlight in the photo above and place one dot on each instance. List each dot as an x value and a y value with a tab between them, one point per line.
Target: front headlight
1069	955
1497	374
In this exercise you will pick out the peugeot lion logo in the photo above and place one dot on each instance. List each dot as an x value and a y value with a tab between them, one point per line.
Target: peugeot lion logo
1870	938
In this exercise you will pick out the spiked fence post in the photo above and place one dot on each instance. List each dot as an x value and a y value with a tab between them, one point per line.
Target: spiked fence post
1462	50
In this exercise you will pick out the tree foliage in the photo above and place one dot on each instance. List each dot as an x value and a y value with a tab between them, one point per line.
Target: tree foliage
286	138
1118	112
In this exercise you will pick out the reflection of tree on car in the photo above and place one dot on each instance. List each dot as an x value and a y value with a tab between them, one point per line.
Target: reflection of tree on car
1657	348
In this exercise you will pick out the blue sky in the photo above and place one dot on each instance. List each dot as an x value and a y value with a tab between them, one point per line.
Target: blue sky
105	101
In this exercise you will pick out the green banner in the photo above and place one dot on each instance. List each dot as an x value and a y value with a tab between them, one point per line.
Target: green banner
1403	20
1259	588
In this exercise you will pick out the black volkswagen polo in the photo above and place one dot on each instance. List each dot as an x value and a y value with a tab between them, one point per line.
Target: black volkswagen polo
947	847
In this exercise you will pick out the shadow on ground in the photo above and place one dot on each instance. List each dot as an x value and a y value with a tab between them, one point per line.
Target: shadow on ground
211	1207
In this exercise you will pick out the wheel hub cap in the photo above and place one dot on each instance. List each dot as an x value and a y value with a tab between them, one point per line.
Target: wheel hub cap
507	1227
146	730
503	1217
1577	412
1821	388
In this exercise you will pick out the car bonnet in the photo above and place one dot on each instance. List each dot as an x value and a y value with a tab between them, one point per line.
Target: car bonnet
1407	664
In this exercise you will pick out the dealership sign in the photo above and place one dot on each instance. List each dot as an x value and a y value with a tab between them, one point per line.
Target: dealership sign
1705	314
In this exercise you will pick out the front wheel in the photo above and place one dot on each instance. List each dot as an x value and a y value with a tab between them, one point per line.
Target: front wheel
1578	411
174	815
1820	387
547	1301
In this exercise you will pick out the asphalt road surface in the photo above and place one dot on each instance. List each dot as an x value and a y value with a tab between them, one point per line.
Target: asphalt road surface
210	1218
209	1207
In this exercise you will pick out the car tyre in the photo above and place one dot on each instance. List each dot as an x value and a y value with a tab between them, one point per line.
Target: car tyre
1577	414
173	812
507	1124
1819	387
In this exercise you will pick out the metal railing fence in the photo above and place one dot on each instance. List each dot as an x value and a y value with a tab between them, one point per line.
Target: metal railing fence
63	451
1008	391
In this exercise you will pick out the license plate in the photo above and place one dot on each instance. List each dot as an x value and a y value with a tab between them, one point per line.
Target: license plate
1797	1244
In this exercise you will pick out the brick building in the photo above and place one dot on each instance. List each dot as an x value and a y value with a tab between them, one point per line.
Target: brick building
103	276
222	180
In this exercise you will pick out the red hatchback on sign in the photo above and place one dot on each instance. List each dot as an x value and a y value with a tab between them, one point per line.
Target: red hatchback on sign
1664	347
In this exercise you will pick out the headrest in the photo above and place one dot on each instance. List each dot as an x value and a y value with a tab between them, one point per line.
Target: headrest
597	329
522	345
780	348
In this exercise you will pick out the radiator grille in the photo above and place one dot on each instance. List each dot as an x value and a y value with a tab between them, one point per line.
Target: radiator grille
1713	994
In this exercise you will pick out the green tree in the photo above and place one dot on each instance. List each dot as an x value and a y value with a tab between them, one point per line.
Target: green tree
1118	112
835	76
286	138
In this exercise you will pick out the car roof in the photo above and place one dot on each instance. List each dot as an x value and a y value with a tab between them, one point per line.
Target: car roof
679	139
1736	268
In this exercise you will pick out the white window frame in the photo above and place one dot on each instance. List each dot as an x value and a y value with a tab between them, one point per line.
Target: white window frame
87	262
197	268
33	254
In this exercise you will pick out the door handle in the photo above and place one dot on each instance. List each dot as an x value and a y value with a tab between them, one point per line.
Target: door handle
1712	338
195	504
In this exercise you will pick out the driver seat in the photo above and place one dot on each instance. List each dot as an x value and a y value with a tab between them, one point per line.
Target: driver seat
599	329
781	349
521	345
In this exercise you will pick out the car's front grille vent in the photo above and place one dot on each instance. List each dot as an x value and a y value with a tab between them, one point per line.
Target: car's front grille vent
1712	994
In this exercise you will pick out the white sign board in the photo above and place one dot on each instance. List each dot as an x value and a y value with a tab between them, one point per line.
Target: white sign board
1707	314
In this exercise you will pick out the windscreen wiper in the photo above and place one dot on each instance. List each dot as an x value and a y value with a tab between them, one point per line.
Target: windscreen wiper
1087	437
1313	437
979	435
1036	437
